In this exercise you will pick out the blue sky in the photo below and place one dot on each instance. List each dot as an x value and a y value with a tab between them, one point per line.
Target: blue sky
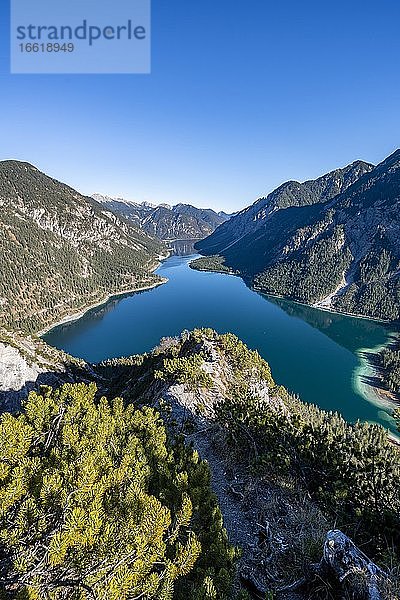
242	96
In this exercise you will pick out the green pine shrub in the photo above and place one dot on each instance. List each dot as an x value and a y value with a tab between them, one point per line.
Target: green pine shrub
97	502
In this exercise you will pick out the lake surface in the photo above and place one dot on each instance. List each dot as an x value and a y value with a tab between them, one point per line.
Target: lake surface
314	353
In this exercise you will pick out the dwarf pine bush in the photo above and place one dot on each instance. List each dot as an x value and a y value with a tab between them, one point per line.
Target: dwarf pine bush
96	502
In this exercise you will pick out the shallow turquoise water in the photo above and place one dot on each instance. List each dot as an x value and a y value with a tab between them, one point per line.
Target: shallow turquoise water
313	353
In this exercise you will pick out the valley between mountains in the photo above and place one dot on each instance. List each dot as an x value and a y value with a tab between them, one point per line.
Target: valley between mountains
204	478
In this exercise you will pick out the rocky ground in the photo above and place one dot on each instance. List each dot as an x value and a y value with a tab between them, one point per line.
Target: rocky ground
26	363
268	522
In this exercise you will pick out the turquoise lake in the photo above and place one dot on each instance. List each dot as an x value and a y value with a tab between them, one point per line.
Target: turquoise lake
316	354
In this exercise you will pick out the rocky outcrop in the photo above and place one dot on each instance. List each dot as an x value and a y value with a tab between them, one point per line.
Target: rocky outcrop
15	377
26	363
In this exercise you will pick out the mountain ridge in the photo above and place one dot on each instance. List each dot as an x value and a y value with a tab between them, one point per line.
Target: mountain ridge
339	252
166	222
289	193
62	251
284	472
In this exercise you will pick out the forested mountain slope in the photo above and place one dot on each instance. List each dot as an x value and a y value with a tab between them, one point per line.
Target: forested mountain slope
61	251
179	222
342	253
291	193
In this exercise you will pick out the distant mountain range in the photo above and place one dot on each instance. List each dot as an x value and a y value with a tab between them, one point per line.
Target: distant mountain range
165	222
333	242
62	251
